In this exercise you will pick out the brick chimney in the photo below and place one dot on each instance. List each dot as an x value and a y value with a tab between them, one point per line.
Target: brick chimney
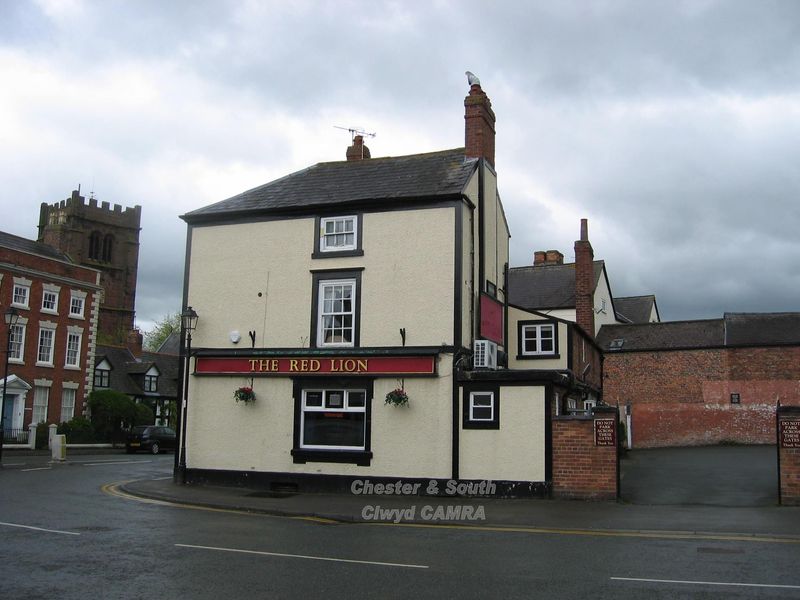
544	258
479	125
134	342
358	151
584	281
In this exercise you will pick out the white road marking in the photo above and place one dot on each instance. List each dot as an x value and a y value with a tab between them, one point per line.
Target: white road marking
344	560
720	583
39	529
115	462
13	464
36	469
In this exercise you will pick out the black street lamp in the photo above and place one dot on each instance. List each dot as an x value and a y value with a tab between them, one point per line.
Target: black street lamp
11	316
188	324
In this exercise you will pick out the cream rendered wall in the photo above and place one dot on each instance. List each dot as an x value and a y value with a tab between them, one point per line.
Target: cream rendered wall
515	315
408	260
232	264
470	229
514	452
413	441
603	308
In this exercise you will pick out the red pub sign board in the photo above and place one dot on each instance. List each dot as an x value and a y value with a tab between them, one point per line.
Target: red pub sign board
322	365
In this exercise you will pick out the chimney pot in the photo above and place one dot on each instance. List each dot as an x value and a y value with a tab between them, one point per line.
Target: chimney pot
584	230
554	257
539	257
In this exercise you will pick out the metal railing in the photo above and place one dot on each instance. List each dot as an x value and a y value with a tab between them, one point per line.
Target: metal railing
15	436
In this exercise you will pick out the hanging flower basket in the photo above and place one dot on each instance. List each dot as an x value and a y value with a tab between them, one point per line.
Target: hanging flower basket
245	394
397	397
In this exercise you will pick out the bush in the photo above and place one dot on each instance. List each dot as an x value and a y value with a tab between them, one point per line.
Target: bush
144	415
78	431
111	413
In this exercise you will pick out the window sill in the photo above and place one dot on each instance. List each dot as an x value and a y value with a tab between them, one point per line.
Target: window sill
16	361
336	253
48	311
481	424
361	458
42	364
537	356
72	367
81	317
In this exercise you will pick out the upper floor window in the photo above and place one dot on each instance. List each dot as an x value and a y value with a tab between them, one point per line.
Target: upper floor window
537	339
95	245
338	236
336	319
16	343
22	292
108	247
47	336
76	304
50	299
151	383
102	378
73	356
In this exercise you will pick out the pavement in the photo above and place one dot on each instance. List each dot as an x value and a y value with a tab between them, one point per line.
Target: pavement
541	514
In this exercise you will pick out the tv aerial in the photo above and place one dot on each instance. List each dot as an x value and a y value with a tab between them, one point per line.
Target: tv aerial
354	131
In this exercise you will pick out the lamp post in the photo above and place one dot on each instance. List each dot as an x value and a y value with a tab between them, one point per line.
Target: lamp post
11	316
188	324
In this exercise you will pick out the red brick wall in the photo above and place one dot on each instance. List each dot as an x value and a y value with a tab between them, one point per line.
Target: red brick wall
36	269
582	470
682	398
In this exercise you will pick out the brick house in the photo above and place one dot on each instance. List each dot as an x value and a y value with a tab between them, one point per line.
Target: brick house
327	289
53	341
703	382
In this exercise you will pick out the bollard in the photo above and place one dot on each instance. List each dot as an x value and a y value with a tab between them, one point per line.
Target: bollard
58	447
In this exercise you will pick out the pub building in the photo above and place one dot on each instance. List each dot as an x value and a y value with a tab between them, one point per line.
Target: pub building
325	294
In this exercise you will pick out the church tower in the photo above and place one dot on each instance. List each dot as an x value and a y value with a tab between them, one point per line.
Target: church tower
103	238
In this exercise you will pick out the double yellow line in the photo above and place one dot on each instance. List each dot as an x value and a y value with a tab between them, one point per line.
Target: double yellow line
113	489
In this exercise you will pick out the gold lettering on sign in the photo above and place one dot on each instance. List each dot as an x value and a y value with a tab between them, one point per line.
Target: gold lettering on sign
293	365
263	364
348	365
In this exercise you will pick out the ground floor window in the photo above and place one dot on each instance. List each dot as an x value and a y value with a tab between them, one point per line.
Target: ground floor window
332	420
481	407
67	404
41	398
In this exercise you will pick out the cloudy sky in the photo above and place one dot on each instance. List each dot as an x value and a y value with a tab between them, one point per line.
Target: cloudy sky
674	127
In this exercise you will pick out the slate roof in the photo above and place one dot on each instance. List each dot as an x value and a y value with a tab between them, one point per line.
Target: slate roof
435	175
634	309
734	329
748	329
663	336
15	242
124	364
546	286
171	345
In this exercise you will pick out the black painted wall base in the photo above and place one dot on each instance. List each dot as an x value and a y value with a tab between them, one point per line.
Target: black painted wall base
342	484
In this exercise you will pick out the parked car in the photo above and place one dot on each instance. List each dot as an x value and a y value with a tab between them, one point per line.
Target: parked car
151	438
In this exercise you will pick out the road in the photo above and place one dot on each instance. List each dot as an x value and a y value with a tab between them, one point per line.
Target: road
66	535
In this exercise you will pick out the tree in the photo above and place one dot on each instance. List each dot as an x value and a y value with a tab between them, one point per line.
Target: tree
161	331
111	411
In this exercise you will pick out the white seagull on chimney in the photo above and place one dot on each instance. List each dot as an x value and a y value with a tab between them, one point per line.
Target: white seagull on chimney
472	78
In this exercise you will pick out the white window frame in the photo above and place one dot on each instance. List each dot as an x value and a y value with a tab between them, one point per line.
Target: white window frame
327	240
39	413
50	294
77	300
16	343
68	396
321	314
105	377
21	294
47	339
74	340
151	383
325	407
473	406
537	338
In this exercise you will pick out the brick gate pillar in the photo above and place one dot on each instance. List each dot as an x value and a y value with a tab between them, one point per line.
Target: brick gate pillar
788	430
586	455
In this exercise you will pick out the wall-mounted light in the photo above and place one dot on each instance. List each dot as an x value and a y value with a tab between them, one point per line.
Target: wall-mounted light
235	336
